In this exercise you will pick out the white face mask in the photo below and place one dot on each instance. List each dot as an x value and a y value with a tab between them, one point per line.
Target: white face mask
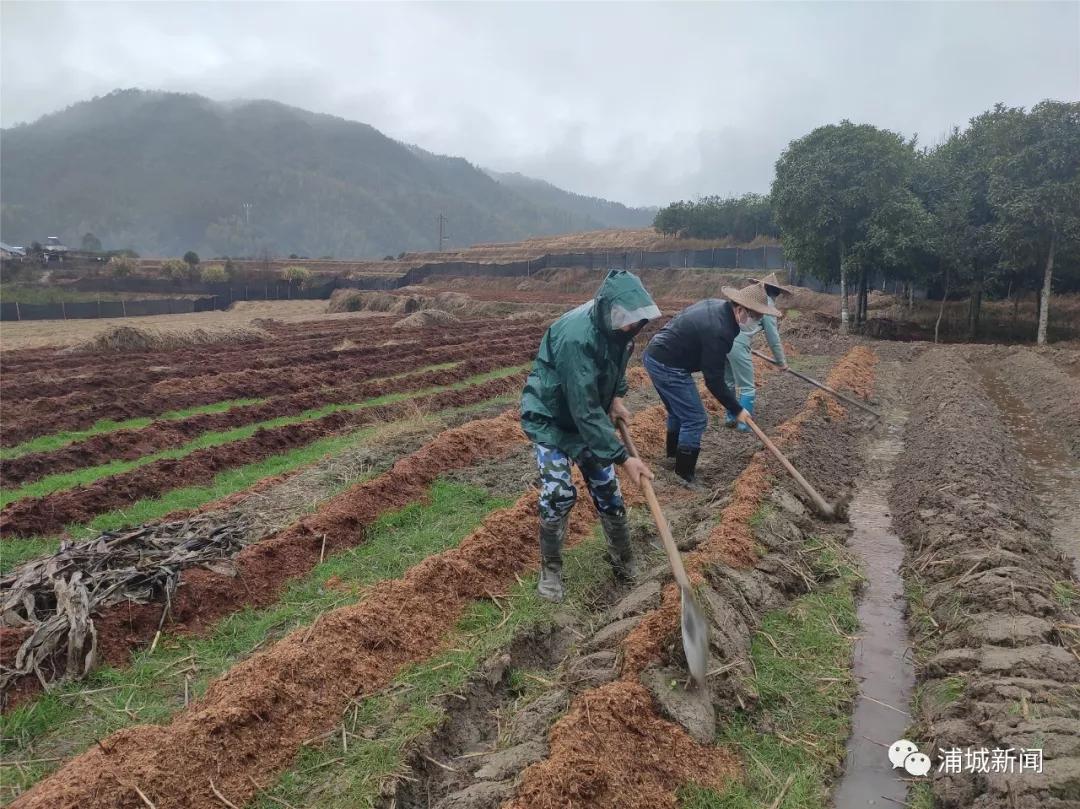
750	325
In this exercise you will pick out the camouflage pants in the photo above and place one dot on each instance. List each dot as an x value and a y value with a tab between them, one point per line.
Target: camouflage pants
558	493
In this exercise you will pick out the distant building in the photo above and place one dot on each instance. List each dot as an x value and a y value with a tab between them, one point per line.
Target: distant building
54	249
11	251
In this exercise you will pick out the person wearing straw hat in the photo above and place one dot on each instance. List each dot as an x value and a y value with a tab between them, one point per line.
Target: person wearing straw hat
739	375
699	339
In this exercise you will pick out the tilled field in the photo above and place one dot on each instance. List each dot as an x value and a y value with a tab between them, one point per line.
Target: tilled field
380	381
995	615
385	646
30	418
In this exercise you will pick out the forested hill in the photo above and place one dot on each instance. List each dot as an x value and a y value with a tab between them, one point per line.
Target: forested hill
609	214
165	173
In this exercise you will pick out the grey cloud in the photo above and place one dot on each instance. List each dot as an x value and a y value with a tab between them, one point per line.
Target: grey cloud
643	103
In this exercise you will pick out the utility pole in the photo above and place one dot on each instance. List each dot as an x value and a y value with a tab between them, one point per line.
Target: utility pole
247	206
442	232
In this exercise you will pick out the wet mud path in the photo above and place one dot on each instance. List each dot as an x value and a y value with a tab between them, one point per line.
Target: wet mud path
882	663
1052	470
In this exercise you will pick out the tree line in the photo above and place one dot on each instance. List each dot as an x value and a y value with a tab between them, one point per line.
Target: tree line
991	210
741	218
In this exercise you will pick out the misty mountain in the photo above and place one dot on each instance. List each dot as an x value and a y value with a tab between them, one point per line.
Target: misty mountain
609	214
169	172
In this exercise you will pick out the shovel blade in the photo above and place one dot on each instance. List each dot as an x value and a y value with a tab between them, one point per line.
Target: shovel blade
695	637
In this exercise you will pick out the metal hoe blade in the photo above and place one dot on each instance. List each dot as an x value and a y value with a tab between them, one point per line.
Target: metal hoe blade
695	629
695	637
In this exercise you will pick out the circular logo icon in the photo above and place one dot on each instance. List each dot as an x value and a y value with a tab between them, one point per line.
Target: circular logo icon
918	764
900	750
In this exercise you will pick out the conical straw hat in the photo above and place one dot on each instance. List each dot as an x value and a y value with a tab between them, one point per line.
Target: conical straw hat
772	280
753	298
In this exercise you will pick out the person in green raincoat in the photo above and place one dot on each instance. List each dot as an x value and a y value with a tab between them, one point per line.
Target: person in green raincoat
569	406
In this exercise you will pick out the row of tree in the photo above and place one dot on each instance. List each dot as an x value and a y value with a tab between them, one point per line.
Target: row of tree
994	209
994	206
742	218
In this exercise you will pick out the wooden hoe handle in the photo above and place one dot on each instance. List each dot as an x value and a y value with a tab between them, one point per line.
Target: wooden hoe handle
821	385
658	515
822	506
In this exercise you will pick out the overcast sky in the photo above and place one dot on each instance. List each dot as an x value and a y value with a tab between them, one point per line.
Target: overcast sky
638	102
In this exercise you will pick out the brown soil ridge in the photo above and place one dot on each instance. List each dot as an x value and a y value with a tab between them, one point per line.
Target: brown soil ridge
166	434
47	515
233	373
264	568
616	722
616	780
123	406
158	365
254	718
995	618
39	417
49	359
1051	392
295	336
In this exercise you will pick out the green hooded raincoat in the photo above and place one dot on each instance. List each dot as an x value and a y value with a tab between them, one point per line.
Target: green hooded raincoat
580	369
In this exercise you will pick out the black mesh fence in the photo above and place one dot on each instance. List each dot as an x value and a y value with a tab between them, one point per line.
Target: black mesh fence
206	297
219	296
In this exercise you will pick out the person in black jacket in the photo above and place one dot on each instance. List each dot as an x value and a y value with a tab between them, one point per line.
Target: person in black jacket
699	339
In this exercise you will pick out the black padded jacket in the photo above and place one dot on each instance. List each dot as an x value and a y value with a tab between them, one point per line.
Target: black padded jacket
699	339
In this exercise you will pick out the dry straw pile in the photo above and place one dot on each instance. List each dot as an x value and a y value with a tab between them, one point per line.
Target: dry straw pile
425	319
129	340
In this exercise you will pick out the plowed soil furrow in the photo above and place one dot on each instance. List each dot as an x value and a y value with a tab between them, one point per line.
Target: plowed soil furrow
167	434
1050	391
162	365
50	360
995	616
253	720
82	379
242	371
263	569
34	419
49	514
129	625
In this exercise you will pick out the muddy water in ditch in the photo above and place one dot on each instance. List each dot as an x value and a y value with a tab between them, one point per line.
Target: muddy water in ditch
1052	470
882	662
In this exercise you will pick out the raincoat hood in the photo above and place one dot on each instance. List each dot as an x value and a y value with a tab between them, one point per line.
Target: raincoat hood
622	301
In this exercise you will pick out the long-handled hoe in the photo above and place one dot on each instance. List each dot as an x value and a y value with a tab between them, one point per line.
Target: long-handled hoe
695	629
826	388
830	511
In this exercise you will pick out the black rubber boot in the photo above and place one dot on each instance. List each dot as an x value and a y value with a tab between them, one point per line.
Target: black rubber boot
620	553
550	586
671	445
685	464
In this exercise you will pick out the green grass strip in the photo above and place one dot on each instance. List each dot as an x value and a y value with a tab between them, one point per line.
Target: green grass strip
69	719
82	477
14	552
48	443
55	441
337	776
30	293
806	689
